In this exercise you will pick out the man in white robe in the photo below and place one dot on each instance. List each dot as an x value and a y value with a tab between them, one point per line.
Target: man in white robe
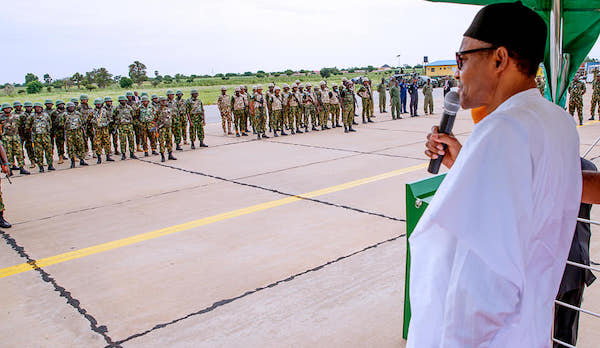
489	253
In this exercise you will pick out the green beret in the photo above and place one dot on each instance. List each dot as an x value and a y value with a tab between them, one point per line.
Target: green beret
145	98
121	97
28	103
73	100
129	94
98	101
6	105
48	101
38	104
83	96
170	91
107	99
17	103
194	91
70	104
178	92
58	102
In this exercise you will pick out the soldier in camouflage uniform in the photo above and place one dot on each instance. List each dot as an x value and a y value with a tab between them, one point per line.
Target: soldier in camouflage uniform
286	109
381	90
309	100
268	96
5	170
428	98
11	139
183	126
247	117
369	83
58	130
41	126
101	124
295	105
396	104
334	103
85	110
26	132
258	108
195	113
576	92
365	94
147	125
164	121
113	127
123	117
347	107
323	98
239	108
541	85
74	128
136	119
277	111
224	104
154	101
595	95
176	120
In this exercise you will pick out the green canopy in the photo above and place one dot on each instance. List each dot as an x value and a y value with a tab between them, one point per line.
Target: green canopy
573	28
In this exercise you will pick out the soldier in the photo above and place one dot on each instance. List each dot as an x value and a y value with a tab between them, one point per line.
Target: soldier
5	170
395	100
365	94
595	95
295	103
113	126
286	109
382	90
244	92
195	113
123	117
277	111
224	104
58	130
324	102
350	87
136	119
41	125
428	101
155	102
74	128
259	109
334	102
11	139
26	132
310	108
147	125
101	121
175	120
347	107
541	85
369	83
163	121
88	125
413	90
238	106
403	91
268	96
576	92
181	113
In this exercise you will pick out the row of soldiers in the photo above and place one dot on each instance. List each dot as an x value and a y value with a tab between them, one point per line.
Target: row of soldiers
294	108
79	125
576	91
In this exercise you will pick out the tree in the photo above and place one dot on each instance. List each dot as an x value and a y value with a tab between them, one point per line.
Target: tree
261	72
325	73
47	79
9	89
90	87
167	79
219	75
179	77
125	82
77	79
370	68
100	77
117	78
155	82
231	74
34	86
30	77
288	72
137	72
58	84
248	73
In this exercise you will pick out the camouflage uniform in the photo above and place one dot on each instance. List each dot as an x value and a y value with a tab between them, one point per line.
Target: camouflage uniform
323	98
295	103
348	107
195	111
88	125
113	127
576	92
164	121
41	126
595	97
136	124
428	100
101	121
246	112
73	124
382	91
276	102
238	107
123	116
147	126
11	139
541	85
58	132
396	105
175	122
370	88
179	127
268	95
334	103
260	112
365	95
286	108
26	135
224	104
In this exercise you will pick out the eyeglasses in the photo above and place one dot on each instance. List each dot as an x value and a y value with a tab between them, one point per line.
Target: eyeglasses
459	55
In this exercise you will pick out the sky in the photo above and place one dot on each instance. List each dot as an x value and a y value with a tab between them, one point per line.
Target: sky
61	37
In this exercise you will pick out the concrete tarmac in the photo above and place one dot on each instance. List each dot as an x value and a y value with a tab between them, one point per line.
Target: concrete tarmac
289	241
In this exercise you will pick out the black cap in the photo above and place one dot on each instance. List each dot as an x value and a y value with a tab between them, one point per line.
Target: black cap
512	25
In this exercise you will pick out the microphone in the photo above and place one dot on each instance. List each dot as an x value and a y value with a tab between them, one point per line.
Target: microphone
451	106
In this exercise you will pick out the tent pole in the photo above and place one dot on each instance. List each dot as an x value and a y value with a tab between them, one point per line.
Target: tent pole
556	42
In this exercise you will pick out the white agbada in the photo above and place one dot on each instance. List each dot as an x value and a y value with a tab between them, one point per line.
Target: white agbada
489	253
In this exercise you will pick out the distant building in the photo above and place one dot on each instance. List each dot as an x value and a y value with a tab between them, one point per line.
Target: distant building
385	68
441	68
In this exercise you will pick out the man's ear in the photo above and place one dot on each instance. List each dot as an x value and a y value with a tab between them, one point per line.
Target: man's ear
501	57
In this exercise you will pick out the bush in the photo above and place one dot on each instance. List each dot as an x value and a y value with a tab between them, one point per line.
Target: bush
21	91
125	82
34	87
49	88
90	87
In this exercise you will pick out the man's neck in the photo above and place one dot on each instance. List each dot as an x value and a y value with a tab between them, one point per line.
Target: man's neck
506	89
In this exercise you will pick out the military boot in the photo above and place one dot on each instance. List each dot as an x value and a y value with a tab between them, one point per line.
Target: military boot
275	134
265	136
293	132
60	160
345	129
350	129
154	153
23	171
258	137
41	169
283	132
237	134
99	159
108	159
82	162
72	162
117	152
32	165
132	155
202	144
3	223
369	120
193	147
123	156
162	156
171	157
50	167
314	128
146	154
178	148
14	167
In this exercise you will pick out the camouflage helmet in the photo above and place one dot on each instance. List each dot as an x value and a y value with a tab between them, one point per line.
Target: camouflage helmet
308	85
17	103
28	103
107	98
344	79
145	98
237	89
194	91
38	104
6	105
334	84
294	86
48	101
223	88
259	87
322	83
144	94
285	85
70	104
58	102
244	87
178	92
73	100
83	97
122	98
97	101
170	91
162	98
277	88
297	82
271	85
300	85
154	96
129	94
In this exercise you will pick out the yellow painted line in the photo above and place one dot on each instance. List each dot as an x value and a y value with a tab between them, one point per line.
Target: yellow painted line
588	123
72	255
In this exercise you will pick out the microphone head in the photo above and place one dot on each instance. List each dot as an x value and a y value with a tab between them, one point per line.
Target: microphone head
452	102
